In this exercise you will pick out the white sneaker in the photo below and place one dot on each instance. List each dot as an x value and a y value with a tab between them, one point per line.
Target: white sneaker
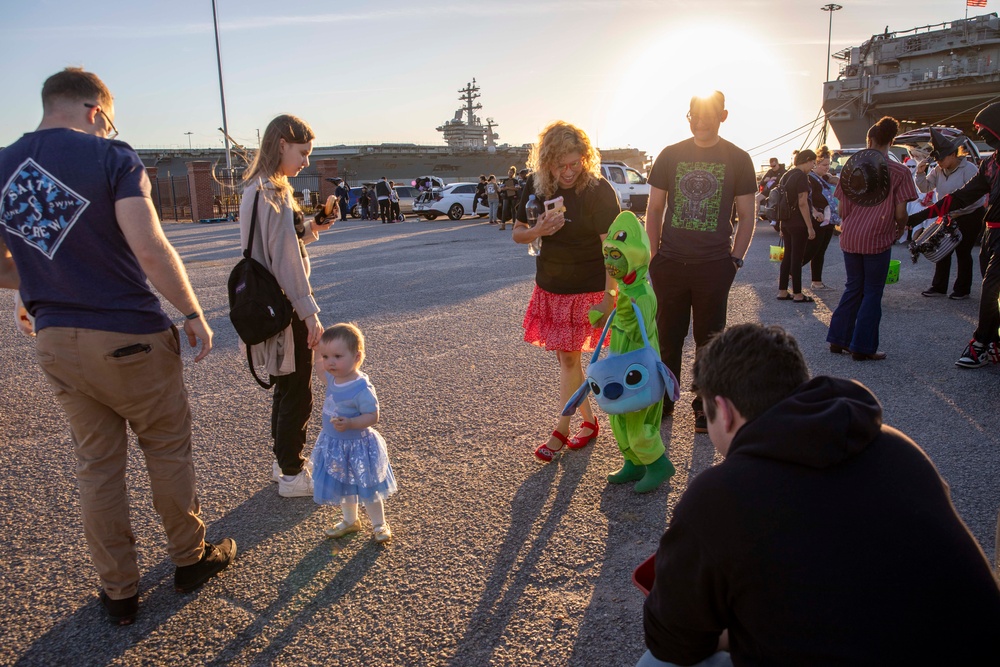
297	486
275	472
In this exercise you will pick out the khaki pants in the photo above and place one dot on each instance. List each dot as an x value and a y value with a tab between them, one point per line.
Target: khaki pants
101	393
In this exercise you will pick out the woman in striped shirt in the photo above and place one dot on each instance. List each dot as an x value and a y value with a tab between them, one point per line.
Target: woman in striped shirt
867	235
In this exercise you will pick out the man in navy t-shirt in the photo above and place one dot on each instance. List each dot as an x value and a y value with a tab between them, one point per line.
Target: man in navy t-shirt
79	238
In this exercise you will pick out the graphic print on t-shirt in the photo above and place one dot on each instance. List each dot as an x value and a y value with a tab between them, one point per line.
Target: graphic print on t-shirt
39	208
698	196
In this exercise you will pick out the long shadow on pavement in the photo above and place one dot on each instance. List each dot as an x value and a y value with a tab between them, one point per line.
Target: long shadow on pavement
85	637
489	620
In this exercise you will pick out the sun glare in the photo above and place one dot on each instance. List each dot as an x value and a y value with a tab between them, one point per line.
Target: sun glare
662	75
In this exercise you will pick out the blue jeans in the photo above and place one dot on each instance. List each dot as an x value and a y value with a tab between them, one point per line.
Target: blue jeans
720	659
854	324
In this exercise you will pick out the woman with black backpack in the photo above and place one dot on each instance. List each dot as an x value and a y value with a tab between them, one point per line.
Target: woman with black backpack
280	234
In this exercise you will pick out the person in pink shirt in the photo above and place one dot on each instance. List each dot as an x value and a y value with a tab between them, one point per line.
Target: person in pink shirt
873	196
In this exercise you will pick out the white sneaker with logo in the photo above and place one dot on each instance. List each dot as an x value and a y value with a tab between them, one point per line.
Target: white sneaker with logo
297	486
978	354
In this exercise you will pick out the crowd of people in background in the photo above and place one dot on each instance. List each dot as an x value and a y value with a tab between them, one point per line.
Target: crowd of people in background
758	566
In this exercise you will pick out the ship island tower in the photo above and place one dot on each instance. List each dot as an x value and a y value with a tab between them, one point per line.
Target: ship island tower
469	135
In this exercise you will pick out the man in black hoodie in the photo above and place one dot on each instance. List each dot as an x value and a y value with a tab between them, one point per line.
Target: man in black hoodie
824	538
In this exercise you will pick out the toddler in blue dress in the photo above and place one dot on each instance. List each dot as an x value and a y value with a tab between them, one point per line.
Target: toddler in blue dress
350	461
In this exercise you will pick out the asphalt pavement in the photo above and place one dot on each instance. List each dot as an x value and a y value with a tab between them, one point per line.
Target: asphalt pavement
495	559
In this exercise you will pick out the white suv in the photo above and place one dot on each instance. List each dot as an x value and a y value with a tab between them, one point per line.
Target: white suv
631	186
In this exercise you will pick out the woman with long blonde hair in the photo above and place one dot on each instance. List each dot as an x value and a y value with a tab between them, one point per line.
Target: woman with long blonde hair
279	244
570	278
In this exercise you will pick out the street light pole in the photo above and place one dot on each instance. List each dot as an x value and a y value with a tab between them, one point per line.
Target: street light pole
830	8
189	139
222	91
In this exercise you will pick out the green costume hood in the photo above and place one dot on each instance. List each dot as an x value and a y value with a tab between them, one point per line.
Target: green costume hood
626	249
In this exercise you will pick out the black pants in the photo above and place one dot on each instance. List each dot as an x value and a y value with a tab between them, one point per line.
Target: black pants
989	310
394	210
816	251
383	209
971	226
508	209
686	290
292	404
795	237
343	210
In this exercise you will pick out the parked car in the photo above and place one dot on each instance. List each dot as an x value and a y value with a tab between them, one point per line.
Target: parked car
453	200
407	194
631	186
920	141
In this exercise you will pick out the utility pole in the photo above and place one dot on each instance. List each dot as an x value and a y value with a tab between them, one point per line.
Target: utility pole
830	8
222	90
189	139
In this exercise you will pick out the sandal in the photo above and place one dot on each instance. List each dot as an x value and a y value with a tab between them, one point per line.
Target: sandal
805	299
341	529
543	453
787	297
579	442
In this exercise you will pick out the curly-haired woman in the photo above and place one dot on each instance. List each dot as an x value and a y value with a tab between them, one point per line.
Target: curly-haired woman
570	278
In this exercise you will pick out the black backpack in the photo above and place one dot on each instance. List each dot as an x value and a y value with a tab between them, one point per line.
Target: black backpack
258	308
781	207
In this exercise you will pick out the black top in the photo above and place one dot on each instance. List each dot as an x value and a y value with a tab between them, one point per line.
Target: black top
572	260
824	538
795	182
818	197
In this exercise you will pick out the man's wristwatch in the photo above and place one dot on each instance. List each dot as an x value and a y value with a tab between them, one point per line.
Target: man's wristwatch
737	261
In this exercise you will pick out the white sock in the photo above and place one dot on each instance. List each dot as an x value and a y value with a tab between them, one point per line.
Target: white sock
350	511
376	512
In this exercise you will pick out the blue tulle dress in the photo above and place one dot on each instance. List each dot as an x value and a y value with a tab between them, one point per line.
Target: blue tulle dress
350	466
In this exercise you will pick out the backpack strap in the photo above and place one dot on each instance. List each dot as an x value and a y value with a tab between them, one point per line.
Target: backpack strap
253	371
253	228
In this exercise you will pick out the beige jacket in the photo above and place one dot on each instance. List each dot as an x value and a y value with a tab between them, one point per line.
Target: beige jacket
277	248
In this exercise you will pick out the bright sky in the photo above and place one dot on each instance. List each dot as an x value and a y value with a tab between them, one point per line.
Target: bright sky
389	71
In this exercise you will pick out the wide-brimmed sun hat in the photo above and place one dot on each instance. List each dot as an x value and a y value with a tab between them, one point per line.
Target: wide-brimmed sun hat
865	178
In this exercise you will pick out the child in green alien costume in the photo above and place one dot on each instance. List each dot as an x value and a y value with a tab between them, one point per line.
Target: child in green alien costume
626	258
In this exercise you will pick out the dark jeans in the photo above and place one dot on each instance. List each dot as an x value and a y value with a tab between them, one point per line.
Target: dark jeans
383	210
791	264
343	210
971	226
816	251
292	404
394	210
854	324
989	311
686	290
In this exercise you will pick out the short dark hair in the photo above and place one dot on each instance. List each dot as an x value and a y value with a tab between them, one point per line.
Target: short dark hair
73	83
753	365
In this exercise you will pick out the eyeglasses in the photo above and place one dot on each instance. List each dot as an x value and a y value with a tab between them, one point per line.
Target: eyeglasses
114	131
570	166
694	117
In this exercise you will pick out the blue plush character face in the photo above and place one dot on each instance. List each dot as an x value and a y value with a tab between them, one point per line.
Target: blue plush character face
627	382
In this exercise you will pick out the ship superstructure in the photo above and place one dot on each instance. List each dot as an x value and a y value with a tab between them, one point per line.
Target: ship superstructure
938	74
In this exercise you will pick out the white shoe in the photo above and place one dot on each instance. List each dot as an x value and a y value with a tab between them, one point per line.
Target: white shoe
383	533
297	486
275	472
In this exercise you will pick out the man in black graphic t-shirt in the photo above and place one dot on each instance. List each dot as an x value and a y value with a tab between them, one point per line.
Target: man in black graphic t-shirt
694	185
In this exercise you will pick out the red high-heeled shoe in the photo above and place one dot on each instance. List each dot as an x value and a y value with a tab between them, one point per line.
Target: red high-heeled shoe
543	453
576	442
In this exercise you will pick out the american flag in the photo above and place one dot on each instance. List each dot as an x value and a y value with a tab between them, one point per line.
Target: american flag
975	3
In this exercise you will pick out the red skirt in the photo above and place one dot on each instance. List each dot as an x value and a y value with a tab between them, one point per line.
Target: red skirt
560	321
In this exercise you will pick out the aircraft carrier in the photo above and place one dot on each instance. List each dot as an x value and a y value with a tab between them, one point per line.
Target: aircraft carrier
940	74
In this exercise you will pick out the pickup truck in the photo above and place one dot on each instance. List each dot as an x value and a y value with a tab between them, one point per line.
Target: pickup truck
631	186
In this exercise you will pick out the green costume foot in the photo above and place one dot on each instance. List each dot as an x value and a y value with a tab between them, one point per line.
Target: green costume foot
629	472
657	472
